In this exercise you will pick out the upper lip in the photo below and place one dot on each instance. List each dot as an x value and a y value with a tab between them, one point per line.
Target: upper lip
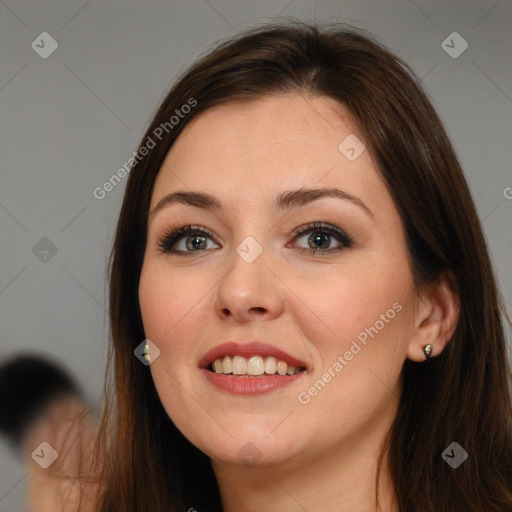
254	348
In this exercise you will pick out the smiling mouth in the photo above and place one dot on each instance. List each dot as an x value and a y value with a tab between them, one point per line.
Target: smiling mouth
254	366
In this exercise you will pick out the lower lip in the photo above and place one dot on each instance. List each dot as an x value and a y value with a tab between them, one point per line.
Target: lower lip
245	385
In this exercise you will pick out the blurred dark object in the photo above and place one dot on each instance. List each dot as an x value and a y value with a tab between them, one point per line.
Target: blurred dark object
28	385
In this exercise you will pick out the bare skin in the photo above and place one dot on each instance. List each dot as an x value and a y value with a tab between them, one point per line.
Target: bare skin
70	482
320	455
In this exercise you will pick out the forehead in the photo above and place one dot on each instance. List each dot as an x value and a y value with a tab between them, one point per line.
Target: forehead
268	144
271	120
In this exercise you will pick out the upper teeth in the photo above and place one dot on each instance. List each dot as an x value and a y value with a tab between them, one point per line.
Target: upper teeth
255	365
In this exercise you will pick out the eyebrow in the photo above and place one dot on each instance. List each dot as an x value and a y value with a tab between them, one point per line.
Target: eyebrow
285	201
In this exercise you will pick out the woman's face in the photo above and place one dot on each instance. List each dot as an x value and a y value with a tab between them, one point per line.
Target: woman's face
322	277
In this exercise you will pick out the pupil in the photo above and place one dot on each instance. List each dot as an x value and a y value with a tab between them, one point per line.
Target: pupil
197	242
321	239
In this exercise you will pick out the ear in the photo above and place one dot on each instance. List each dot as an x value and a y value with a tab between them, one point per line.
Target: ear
436	317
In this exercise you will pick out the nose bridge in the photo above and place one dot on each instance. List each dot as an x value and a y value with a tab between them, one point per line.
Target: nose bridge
249	249
250	233
247	274
248	287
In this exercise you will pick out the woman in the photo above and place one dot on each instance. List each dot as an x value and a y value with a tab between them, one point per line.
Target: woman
300	271
267	115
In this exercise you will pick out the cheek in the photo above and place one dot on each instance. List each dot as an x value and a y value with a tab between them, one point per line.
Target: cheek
359	334
334	307
359	346
170	303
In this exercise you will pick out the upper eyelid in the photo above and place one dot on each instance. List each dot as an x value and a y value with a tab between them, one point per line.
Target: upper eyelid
343	237
310	226
299	230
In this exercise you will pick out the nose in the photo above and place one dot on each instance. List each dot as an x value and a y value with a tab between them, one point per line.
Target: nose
248	291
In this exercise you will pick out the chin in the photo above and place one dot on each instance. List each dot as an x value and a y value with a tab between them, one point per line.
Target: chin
246	449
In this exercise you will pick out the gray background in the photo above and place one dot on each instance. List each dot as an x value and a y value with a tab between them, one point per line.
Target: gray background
69	121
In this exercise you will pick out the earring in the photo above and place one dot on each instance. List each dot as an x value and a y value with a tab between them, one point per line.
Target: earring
147	355
427	350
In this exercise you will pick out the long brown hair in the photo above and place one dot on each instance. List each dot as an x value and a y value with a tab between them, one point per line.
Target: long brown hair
461	395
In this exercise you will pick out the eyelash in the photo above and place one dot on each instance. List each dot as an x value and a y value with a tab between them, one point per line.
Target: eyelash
175	233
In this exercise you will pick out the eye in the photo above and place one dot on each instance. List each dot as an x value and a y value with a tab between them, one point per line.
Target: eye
189	239
186	239
320	237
